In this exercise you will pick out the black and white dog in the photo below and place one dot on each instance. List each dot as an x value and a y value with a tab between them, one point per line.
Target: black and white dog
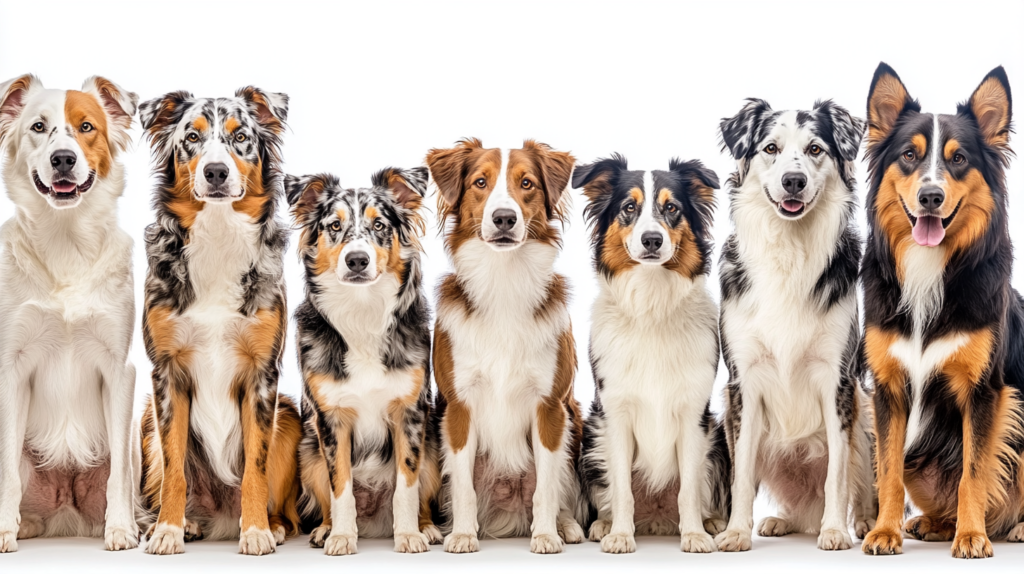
654	353
796	416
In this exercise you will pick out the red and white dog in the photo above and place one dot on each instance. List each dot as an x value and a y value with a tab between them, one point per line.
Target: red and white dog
66	385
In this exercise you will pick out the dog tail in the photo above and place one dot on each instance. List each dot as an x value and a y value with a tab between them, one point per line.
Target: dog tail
719	473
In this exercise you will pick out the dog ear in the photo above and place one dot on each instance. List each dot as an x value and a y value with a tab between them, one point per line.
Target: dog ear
119	104
991	106
303	195
847	131
742	132
598	182
160	116
702	183
407	186
556	169
13	96
271	107
448	168
887	100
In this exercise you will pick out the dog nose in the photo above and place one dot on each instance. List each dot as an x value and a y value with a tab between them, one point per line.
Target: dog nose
63	160
357	261
931	197
794	182
504	219
216	173
651	240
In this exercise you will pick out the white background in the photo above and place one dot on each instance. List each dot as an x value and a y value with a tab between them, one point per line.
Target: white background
378	84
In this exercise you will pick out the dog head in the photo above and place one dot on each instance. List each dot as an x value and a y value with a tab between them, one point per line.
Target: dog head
217	150
793	155
63	141
936	178
358	234
649	217
502	197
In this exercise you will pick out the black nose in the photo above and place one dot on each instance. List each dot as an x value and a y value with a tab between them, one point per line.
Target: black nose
651	240
216	173
794	182
63	160
357	261
504	219
931	197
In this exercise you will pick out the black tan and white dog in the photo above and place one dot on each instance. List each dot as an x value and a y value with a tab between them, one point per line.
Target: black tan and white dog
796	415
504	355
654	353
66	384
364	351
217	441
944	334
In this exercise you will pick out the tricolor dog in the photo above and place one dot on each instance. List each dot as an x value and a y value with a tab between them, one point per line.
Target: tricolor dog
68	311
504	354
219	447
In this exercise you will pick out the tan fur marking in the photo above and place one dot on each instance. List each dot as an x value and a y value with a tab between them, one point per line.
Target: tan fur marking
282	468
396	414
920	144
888	373
231	124
884	107
950	148
80	107
455	423
552	412
200	124
615	254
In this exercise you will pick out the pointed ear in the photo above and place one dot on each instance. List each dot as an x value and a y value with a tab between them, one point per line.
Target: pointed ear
13	96
271	107
991	106
556	169
448	168
303	195
118	103
160	116
742	132
407	186
887	100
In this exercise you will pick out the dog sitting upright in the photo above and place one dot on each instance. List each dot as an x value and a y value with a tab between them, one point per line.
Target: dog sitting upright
66	385
654	353
504	356
944	330
364	350
796	415
218	444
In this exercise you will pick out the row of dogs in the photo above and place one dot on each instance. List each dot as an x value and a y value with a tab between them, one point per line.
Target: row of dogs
503	448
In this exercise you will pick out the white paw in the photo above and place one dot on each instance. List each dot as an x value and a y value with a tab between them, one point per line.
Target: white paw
545	544
618	543
461	543
733	541
30	527
713	526
433	534
120	538
863	527
412	543
256	542
570	532
279	534
319	534
599	529
340	544
193	531
834	539
1016	534
701	542
166	539
773	526
8	541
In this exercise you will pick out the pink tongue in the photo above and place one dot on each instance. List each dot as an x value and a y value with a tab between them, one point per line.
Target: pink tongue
928	231
64	186
792	206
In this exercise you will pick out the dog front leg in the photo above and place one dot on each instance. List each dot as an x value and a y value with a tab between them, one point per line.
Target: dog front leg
744	484
14	404
121	532
409	427
258	407
171	405
619	446
836	405
336	444
691	454
550	459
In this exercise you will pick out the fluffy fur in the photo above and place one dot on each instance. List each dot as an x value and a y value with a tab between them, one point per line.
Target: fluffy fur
795	411
217	441
368	467
66	384
944	334
654	353
504	356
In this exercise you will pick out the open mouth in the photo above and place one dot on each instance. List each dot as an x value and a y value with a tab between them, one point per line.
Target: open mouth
929	230
787	207
63	189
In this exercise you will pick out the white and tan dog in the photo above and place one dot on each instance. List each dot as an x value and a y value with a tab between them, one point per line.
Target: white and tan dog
66	386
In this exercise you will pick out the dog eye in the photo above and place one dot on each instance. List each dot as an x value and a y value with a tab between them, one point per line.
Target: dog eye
378	225
527	184
771	149
192	137
630	207
909	155
86	127
240	138
335	226
670	208
959	159
816	150
481	183
39	127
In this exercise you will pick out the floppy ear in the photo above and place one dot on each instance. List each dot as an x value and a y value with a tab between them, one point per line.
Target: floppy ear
887	100
702	183
847	131
990	104
119	104
407	186
160	116
741	132
303	194
448	168
271	107
597	179
556	169
13	95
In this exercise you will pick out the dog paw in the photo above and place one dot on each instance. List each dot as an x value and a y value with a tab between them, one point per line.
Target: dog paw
618	543
193	531
1017	534
972	545
733	541
319	534
545	544
256	542
340	544
461	543
412	543
880	542
773	526
433	534
8	541
30	527
280	534
166	539
714	526
863	527
700	542
570	532
834	539
120	538
929	529
599	529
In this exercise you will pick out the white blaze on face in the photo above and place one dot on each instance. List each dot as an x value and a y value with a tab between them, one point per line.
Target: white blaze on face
648	224
214	155
793	160
933	163
500	200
